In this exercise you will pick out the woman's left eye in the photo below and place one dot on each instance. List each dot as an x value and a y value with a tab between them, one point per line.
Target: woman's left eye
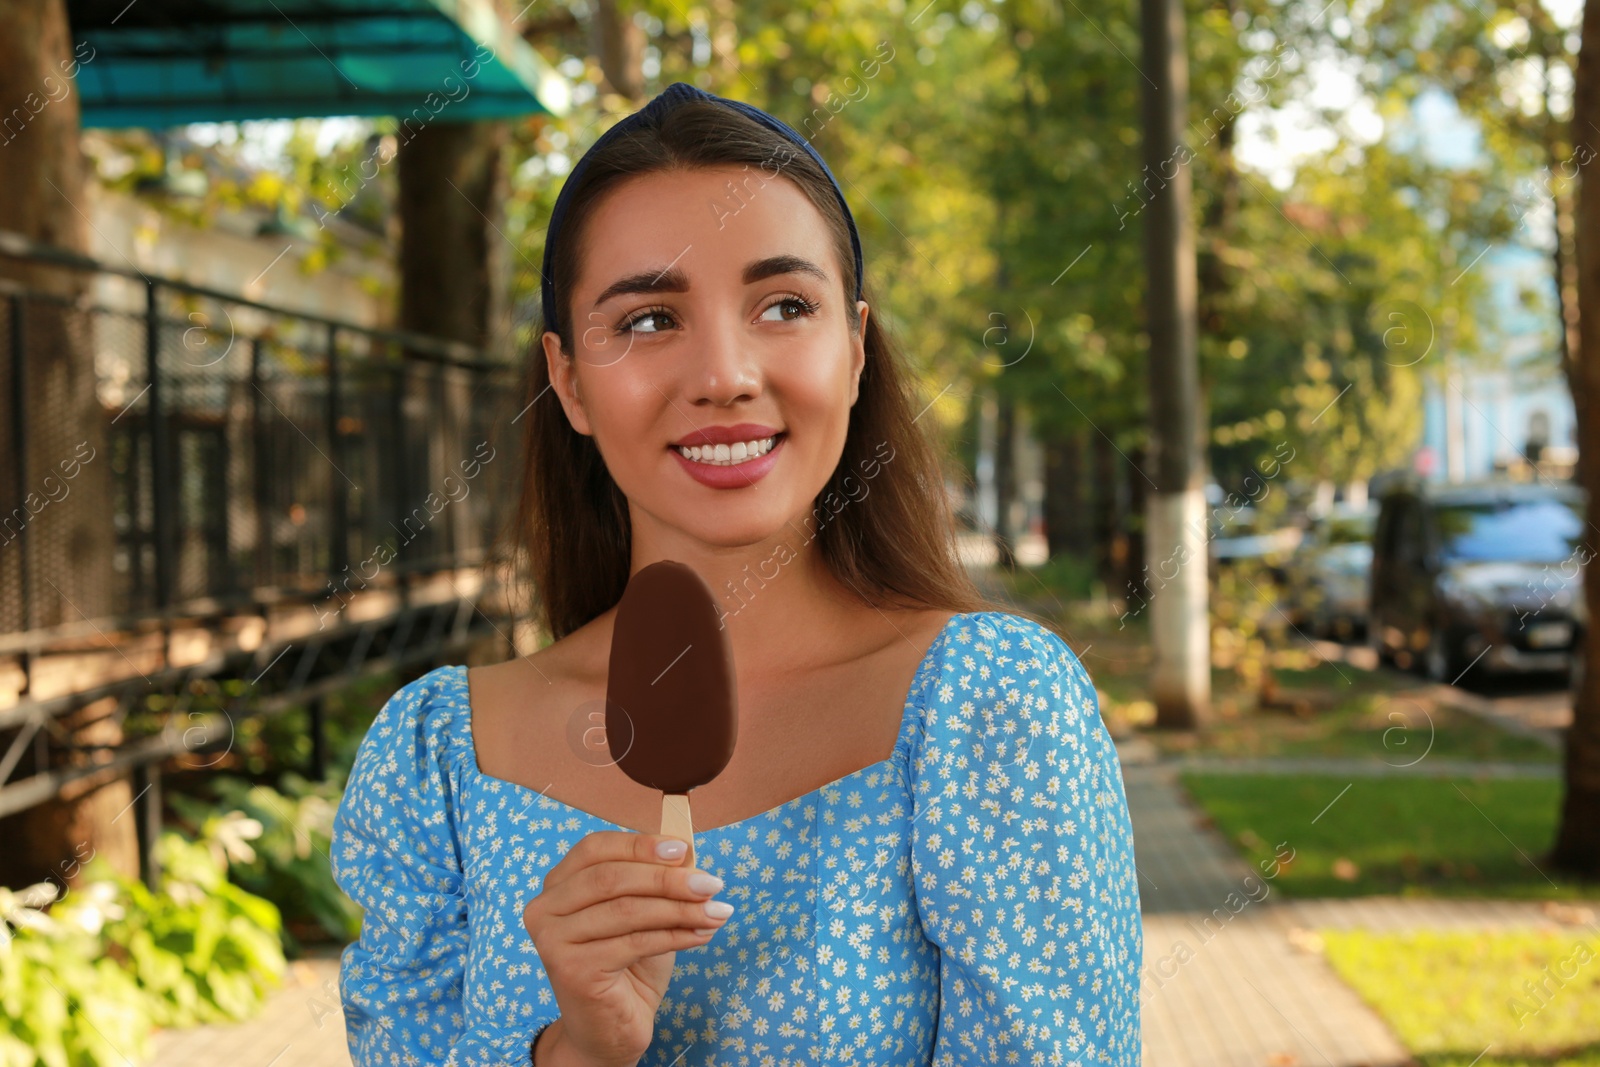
801	305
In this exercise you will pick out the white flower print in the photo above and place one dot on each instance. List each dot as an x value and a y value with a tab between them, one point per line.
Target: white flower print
971	900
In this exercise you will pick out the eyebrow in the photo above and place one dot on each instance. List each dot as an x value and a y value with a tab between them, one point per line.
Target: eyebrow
672	279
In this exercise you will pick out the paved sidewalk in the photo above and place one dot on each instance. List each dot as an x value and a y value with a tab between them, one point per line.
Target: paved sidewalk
300	1026
1223	986
1542	716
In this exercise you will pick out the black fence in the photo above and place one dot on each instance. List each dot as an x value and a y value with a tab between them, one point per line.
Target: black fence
176	460
243	447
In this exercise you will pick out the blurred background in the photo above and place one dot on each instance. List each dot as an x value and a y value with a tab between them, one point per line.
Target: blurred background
1253	332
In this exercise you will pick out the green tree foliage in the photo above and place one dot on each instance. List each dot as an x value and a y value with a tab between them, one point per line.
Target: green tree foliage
1509	66
1346	296
992	155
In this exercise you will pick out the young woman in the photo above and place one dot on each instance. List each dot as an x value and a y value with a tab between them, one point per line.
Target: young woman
920	852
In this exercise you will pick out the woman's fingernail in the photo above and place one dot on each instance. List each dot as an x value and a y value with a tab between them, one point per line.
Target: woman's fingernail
707	930
718	909
672	850
701	882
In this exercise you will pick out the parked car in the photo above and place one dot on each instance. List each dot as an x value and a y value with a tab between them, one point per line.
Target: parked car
1242	533
1327	578
1481	576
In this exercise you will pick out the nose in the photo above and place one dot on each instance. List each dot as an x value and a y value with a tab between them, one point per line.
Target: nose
724	367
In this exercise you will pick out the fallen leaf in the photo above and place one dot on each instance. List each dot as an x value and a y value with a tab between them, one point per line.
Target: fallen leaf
1307	941
1568	914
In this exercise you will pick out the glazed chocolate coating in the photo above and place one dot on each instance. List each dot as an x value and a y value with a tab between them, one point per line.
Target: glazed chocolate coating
671	707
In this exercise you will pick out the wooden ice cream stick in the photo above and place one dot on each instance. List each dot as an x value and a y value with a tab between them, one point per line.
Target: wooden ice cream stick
675	821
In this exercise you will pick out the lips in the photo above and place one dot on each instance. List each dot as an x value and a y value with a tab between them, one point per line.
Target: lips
718	467
727	435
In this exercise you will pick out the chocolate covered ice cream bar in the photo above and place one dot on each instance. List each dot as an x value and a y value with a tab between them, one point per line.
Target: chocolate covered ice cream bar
671	704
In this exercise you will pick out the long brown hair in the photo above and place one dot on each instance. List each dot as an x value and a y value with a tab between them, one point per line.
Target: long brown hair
893	544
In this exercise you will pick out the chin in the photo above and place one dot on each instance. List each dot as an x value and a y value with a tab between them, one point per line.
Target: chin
737	531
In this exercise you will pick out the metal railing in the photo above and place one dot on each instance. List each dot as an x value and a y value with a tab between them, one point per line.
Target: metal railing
251	446
242	457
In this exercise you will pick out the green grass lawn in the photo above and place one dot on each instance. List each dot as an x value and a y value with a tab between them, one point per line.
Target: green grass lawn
1392	728
1410	836
1517	998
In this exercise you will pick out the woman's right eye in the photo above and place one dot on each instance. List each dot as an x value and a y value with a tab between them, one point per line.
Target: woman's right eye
651	315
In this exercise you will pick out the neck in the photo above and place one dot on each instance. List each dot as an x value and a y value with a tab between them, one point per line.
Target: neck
766	592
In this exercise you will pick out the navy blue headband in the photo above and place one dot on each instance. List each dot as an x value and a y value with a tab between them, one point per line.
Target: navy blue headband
674	95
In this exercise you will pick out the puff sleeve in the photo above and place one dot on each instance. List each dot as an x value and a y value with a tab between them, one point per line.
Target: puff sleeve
1022	856
396	852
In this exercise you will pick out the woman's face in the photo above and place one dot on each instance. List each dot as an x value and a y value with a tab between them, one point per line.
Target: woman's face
711	315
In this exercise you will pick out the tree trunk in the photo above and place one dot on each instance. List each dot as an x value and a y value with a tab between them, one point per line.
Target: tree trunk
1137	518
452	255
1063	492
43	173
55	567
1005	484
618	43
1577	846
1005	445
1110	545
1175	514
1560	153
454	284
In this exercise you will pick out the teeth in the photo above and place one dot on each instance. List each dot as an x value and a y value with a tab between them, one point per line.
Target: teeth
728	455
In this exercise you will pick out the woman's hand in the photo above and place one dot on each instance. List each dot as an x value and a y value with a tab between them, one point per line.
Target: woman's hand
607	926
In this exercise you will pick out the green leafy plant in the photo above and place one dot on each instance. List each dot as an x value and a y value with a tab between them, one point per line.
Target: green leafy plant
1246	627
288	863
51	969
200	950
205	949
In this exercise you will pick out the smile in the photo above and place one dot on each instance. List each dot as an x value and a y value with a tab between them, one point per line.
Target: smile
728	455
735	465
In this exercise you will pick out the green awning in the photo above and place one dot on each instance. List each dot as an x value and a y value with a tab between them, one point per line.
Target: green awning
169	62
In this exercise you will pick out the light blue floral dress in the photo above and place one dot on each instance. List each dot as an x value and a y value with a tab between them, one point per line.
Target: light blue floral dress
970	900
